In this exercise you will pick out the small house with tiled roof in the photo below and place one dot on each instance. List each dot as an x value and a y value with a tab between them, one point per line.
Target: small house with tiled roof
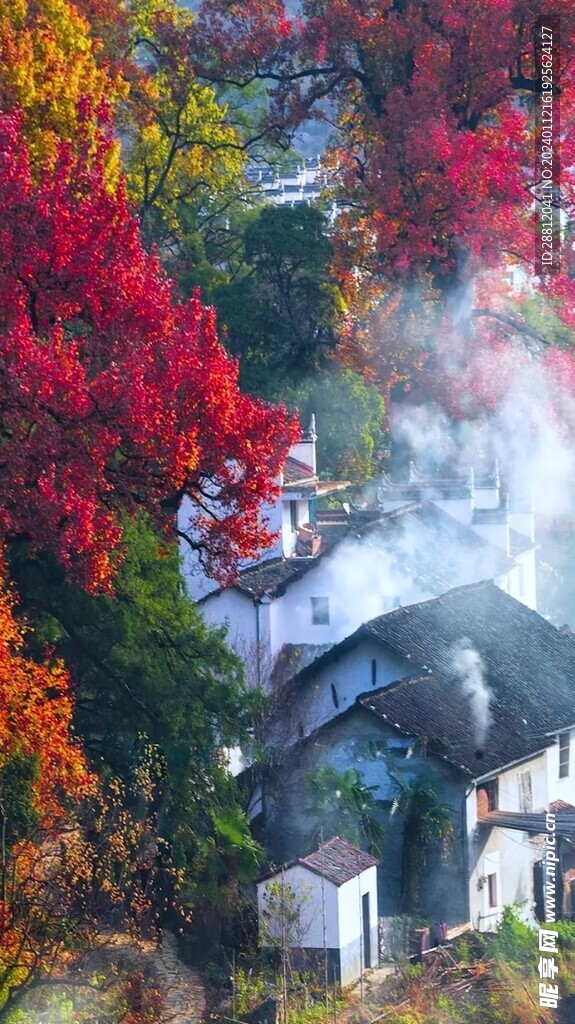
471	690
325	905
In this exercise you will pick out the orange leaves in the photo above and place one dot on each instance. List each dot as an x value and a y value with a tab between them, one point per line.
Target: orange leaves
36	717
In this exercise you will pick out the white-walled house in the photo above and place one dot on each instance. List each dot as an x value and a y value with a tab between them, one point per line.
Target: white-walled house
482	618
368	562
326	903
410	700
332	570
291	517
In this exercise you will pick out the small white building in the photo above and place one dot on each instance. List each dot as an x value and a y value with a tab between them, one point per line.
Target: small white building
325	904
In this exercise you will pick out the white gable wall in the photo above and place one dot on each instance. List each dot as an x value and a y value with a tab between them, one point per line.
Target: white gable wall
350	915
307	887
334	687
353	599
521	581
506	853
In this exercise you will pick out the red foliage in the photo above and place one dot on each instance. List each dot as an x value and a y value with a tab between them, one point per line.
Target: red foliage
114	395
436	111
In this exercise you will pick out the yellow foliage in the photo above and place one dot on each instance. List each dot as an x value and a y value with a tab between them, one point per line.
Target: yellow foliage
48	65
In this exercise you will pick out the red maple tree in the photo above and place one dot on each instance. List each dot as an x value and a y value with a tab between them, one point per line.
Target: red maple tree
435	107
115	396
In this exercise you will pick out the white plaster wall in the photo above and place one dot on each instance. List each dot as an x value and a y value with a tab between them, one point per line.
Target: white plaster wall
487	497
307	887
561	789
238	611
197	583
521	581
350	675
523	522
352	601
495	533
350	916
507	853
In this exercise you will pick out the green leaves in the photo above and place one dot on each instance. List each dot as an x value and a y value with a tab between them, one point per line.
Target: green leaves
343	805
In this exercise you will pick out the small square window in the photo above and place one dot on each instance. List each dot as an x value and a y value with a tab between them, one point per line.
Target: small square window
320	611
564	752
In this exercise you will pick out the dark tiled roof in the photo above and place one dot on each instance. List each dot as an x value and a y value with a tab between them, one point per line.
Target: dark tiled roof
437	711
427	544
273	577
434	548
529	666
338	861
293	658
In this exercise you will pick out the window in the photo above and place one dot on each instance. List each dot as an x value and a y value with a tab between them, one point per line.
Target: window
492	889
564	752
293	515
488	797
492	788
320	611
373	672
525	792
334	696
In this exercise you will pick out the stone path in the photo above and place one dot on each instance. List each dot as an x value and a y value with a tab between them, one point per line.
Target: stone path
181	986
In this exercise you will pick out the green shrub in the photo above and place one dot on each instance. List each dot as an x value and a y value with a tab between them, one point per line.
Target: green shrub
515	942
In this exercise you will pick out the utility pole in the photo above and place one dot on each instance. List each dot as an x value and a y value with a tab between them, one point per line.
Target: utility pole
234	1007
324	926
360	930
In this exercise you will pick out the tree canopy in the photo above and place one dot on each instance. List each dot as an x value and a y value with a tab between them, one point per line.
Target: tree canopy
116	396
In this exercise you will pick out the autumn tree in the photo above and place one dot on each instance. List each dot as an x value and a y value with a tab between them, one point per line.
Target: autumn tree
42	768
115	396
50	70
435	118
150	675
184	161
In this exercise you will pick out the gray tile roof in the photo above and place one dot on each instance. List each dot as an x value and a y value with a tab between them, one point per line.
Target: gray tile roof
428	545
338	861
529	667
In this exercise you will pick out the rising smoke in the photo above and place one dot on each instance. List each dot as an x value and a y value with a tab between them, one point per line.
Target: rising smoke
469	668
529	433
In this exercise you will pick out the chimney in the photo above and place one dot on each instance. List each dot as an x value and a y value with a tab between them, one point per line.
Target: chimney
304	450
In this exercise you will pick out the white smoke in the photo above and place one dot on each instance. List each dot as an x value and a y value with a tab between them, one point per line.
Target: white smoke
529	434
469	667
370	575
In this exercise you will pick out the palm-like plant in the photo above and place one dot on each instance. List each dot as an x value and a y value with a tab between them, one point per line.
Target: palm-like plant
425	821
344	805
